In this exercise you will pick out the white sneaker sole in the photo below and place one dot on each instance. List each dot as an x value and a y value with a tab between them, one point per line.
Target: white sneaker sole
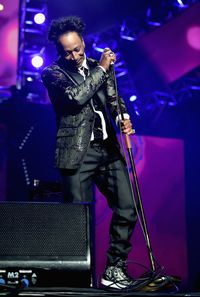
112	285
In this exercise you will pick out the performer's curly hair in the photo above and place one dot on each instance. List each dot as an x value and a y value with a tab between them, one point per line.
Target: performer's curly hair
63	25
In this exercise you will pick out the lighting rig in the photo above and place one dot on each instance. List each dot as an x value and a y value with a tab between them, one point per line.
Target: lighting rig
129	31
31	49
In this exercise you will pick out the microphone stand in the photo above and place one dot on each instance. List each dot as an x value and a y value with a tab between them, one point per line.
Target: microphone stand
135	184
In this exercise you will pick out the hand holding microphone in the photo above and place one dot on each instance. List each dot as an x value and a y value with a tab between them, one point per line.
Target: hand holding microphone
107	58
112	55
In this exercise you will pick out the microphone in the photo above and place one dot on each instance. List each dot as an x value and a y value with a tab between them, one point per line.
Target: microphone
112	62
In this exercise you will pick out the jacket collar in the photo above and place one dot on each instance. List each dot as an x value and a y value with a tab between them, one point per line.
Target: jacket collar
79	78
88	63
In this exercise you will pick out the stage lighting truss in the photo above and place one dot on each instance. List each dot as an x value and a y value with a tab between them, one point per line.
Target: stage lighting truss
5	93
127	33
31	49
151	104
161	11
179	92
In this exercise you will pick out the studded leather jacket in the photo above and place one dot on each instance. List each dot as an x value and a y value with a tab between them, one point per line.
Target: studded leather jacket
71	97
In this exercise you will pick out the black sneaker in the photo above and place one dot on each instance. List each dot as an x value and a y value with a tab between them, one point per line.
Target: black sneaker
116	277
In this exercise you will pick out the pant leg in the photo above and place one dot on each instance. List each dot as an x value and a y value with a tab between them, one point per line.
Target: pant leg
78	185
113	182
104	167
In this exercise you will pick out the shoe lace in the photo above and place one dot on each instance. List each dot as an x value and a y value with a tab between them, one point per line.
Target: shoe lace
121	269
122	264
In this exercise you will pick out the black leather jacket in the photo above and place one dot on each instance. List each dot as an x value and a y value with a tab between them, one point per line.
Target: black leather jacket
71	99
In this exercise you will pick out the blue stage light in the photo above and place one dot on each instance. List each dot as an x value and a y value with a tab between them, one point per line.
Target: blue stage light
133	98
180	3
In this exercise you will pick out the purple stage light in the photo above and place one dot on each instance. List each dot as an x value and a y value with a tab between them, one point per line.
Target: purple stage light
37	61
39	18
1	7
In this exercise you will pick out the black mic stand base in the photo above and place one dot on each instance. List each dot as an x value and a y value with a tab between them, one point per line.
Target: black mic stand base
163	284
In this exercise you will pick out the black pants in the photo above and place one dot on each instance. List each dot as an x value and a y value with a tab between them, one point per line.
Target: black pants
103	166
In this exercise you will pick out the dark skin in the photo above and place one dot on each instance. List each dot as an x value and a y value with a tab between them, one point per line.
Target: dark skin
74	54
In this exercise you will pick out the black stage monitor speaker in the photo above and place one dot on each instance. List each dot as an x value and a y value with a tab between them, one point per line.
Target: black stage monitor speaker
46	238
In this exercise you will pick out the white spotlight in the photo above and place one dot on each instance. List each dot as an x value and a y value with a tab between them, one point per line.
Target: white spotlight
37	61
39	18
1	7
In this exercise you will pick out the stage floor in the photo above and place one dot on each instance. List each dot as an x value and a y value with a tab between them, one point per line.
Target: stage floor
75	292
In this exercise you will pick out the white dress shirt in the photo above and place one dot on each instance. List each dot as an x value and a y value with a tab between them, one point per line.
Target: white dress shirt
103	123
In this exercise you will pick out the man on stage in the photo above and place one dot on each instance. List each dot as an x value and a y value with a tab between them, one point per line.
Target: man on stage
83	94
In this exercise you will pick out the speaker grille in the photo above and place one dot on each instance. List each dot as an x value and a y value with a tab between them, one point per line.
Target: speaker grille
43	230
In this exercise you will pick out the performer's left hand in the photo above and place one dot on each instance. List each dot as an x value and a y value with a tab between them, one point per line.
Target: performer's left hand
126	127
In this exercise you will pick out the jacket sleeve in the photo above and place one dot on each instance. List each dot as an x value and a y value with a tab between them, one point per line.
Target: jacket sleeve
115	105
61	88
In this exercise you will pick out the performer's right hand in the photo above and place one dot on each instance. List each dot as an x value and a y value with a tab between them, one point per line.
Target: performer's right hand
107	58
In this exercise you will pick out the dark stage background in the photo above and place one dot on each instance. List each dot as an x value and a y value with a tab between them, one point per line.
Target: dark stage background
165	115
